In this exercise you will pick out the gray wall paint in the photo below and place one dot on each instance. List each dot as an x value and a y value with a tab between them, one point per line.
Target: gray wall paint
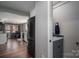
68	17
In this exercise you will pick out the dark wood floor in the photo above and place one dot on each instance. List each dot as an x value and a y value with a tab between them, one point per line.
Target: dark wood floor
14	49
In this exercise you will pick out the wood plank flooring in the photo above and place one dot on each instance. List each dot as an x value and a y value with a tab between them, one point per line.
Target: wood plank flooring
14	49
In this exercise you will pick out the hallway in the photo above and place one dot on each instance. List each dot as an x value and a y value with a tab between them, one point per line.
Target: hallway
14	49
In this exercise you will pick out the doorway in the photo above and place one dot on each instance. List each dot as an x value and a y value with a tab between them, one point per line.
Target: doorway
14	31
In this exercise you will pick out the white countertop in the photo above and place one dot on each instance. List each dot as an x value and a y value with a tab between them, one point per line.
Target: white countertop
56	38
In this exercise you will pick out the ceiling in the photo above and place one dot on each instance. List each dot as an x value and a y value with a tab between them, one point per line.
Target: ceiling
55	2
19	7
24	6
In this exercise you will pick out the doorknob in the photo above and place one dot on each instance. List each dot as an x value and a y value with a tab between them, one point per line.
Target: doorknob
49	40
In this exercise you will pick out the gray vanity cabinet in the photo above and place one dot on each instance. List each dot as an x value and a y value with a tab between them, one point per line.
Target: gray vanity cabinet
58	48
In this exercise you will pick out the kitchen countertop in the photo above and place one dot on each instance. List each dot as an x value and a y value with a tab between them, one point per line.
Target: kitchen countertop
57	37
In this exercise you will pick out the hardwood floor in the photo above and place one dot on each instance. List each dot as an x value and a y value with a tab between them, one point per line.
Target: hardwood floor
14	49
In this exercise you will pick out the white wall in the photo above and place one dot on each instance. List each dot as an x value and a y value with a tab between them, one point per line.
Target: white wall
25	32
3	38
41	33
41	29
68	17
50	29
33	12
